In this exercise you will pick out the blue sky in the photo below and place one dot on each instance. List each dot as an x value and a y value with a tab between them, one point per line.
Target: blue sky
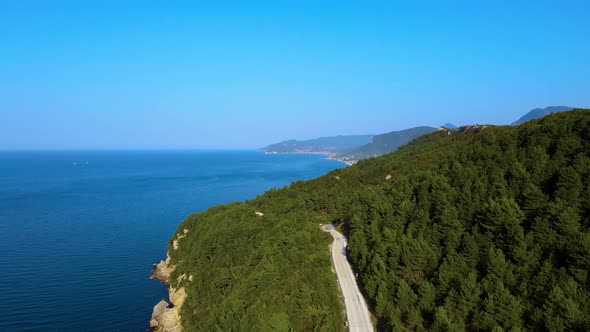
122	74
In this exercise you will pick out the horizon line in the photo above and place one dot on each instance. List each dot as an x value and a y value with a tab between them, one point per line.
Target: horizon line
124	149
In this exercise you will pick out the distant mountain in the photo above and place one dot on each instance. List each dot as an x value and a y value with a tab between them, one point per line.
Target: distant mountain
450	126
385	143
332	145
541	112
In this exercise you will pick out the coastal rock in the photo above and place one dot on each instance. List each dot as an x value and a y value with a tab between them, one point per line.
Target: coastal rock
166	316
162	270
177	296
157	313
165	319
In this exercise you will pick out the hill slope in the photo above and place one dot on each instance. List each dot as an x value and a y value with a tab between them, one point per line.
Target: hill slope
386	143
319	145
483	229
541	112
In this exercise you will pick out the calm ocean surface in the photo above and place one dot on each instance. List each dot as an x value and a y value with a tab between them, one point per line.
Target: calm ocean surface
79	231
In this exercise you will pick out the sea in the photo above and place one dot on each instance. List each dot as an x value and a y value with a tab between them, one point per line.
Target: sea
80	230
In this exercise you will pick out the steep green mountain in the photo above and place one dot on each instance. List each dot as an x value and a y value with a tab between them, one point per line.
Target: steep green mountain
385	143
541	112
332	144
483	229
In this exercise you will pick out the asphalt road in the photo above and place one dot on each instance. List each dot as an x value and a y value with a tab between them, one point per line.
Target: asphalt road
357	313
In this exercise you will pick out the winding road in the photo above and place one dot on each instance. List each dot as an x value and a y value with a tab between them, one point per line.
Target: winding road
357	313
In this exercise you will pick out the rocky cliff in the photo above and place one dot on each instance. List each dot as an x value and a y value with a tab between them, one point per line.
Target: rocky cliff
166	316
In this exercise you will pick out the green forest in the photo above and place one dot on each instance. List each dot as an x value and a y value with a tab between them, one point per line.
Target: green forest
481	229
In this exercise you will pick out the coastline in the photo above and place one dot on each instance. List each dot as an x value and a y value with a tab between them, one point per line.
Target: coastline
345	161
166	315
329	156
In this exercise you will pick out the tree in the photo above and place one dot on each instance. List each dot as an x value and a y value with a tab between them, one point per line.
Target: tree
501	219
562	312
569	186
443	323
500	308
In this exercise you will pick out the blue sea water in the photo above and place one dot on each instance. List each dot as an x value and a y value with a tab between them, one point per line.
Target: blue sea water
79	231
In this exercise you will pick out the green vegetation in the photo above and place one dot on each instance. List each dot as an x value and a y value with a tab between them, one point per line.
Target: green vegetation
541	112
485	228
385	143
257	273
332	144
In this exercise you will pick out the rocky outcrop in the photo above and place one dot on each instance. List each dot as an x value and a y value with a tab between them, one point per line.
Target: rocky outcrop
178	238
166	316
473	128
161	271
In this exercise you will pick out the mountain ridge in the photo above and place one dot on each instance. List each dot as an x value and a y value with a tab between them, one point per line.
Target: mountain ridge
541	112
327	144
352	148
386	143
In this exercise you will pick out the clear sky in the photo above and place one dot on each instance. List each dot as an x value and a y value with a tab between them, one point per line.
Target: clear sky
168	74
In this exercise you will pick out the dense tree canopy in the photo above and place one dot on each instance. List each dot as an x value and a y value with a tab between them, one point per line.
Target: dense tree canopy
485	228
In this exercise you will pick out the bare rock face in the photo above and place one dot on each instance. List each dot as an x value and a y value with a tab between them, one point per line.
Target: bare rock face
474	128
177	296
178	238
165	319
166	316
162	271
158	312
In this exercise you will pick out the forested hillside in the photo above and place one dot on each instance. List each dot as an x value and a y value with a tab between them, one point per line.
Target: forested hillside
256	273
385	143
331	144
495	235
541	112
483	229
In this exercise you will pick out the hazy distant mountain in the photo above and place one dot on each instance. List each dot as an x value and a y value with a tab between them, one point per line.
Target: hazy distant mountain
385	143
450	126
332	144
541	112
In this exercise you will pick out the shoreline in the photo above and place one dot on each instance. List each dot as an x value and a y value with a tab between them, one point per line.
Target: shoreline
329	156
166	314
347	162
